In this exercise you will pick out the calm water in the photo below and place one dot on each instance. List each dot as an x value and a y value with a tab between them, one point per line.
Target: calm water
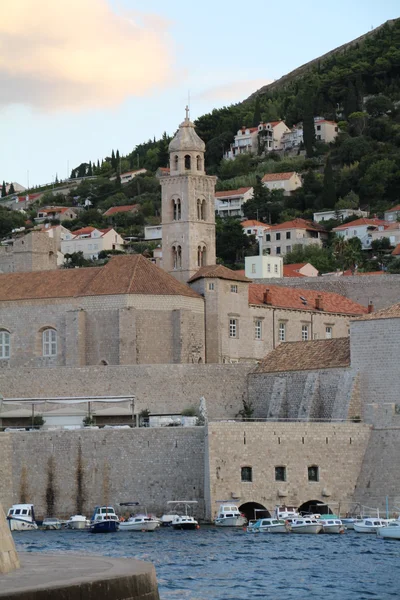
219	564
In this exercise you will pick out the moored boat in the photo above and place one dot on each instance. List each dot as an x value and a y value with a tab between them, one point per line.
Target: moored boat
21	517
331	524
52	523
229	515
391	531
104	520
138	522
305	525
369	525
183	521
77	522
268	525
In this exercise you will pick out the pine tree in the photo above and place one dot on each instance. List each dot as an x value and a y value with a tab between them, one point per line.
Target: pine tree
257	112
98	165
113	161
11	190
329	192
3	190
90	170
308	130
118	162
56	179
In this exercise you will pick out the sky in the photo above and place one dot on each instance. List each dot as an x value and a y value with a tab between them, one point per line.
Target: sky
81	77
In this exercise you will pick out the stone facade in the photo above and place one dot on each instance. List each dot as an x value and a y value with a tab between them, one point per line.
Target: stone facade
9	560
33	252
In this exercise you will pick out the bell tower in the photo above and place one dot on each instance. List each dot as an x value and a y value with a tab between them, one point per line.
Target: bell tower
187	206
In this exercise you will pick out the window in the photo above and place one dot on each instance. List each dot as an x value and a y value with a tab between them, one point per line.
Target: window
268	237
176	162
4	344
277	236
232	328
187	162
49	338
328	333
268	268
258	329
247	474
313	473
275	268
288	235
304	333
280	473
278	249
234	289
201	256
176	204
211	287
282	332
253	268
288	248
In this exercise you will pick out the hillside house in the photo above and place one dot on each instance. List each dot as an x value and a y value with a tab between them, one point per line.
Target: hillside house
362	229
288	182
254	227
325	131
263	138
91	241
129	175
116	210
300	270
340	214
229	203
280	239
56	213
393	213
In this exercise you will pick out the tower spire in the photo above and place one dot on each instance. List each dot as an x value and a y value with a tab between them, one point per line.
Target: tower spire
187	109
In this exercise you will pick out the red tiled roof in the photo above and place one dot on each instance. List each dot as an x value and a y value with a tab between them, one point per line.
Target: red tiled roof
292	298
394	208
218	272
254	223
121	209
227	193
131	274
293	270
298	224
278	176
55	209
325	121
360	222
84	231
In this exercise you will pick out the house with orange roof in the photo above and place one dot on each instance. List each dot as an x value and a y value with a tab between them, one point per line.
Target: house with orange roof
362	229
325	131
91	241
263	138
254	227
280	239
288	182
128	208
56	213
229	203
390	231
300	270
392	214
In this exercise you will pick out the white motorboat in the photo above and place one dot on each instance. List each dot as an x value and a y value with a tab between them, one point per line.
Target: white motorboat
305	525
391	531
184	521
77	522
229	515
51	523
104	520
167	519
268	525
369	525
139	523
21	517
331	524
285	513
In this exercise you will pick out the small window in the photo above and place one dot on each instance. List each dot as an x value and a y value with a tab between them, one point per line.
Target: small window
288	248
232	328
278	249
282	332
268	237
211	287
280	473
288	235
313	473
234	289
247	474
277	237
318	127
275	268
328	333
253	268
304	333
4	344
49	338
258	329
268	268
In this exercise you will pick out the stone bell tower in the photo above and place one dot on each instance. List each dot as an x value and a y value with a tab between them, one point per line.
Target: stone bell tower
188	213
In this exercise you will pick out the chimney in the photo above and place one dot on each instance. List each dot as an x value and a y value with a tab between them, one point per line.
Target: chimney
267	297
319	303
370	307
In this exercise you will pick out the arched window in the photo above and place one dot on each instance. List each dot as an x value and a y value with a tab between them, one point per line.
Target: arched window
176	208
203	211
179	257
176	162
188	161
174	258
49	342
4	344
199	209
198	160
201	256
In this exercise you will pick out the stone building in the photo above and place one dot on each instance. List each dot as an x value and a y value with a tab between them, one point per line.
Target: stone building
35	251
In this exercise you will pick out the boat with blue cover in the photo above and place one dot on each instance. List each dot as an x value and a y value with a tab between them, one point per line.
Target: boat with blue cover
104	520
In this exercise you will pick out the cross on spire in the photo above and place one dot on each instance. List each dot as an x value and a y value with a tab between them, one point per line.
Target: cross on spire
187	112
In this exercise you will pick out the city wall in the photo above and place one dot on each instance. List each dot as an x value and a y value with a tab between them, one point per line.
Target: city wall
381	290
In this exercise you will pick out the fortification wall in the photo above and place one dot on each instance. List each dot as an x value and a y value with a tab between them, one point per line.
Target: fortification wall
381	290
69	472
337	450
163	389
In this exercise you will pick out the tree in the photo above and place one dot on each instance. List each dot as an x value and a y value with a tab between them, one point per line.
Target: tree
320	258
348	253
113	161
351	103
90	169
3	190
329	192
358	122
351	200
257	112
11	190
231	240
379	105
257	207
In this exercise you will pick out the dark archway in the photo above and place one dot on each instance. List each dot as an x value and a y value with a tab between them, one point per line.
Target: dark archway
253	510
315	507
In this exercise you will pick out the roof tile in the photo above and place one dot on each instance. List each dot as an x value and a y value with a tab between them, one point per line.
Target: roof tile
218	272
278	176
121	209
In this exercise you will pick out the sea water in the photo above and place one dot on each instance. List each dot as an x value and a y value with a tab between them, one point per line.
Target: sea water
229	564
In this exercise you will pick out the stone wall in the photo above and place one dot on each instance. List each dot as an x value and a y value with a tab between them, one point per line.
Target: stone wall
163	389
381	290
33	252
80	469
338	451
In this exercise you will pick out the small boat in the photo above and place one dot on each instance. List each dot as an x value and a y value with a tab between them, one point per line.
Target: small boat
369	525
229	516
138	522
21	517
269	525
331	524
348	522
391	531
104	520
77	522
285	513
185	521
167	519
51	523
305	525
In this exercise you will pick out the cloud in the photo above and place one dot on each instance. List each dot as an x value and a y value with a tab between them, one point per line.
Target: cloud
232	92
74	54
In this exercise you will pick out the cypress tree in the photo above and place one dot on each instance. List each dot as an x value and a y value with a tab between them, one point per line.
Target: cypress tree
3	190
257	112
329	192
308	130
113	161
351	102
90	170
11	190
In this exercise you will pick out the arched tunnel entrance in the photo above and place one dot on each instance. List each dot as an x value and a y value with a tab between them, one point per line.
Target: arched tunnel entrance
315	507
253	510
